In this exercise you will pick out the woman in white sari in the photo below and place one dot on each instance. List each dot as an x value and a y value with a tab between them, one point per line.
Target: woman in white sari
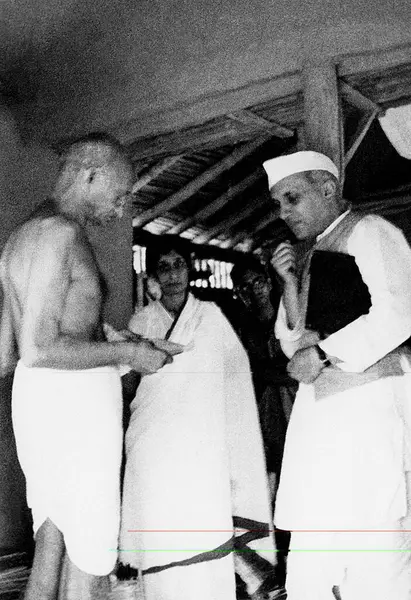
195	498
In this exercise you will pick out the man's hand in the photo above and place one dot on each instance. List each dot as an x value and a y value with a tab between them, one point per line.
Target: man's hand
167	346
146	357
283	261
305	365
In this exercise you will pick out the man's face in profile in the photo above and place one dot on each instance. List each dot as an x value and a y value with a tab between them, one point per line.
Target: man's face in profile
303	205
109	192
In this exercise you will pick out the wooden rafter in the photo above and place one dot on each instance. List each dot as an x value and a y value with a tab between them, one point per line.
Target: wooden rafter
250	119
221	201
273	215
196	184
355	98
218	203
212	133
228	224
232	128
154	172
356	68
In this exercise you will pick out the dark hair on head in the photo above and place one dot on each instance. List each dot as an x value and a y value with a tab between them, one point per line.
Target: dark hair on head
317	176
163	245
250	263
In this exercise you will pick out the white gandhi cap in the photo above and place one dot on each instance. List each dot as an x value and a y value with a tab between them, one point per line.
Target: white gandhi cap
282	166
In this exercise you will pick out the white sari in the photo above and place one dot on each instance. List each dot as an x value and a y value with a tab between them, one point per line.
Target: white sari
195	464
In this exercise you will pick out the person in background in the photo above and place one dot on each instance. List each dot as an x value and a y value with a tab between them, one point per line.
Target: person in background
274	388
195	498
66	399
345	477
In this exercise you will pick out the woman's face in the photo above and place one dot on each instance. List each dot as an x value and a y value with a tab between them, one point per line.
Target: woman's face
172	274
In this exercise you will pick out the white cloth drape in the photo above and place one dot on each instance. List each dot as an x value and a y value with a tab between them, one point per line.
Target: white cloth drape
68	430
194	449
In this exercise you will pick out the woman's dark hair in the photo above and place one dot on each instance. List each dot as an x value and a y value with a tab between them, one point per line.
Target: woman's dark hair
163	245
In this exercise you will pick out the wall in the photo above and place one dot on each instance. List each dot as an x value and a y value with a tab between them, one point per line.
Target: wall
27	174
127	59
14	517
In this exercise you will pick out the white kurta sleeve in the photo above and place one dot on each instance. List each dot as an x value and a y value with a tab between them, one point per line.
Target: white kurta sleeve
383	257
290	339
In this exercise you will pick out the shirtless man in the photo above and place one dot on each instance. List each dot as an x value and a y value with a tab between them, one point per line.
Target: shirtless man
67	402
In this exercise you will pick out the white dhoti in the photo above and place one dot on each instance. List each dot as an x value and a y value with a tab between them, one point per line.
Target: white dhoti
68	429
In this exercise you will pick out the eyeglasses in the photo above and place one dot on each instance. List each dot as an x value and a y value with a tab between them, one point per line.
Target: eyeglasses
124	199
249	286
166	268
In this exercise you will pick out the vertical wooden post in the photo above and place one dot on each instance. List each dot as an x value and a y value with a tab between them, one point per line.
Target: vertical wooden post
140	290
323	130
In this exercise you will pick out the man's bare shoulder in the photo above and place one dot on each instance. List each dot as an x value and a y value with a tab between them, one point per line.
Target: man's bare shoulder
55	231
55	226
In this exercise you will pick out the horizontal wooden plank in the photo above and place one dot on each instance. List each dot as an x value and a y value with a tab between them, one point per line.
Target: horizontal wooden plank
374	60
207	107
211	106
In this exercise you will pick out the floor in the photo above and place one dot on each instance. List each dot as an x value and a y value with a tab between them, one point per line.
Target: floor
15	569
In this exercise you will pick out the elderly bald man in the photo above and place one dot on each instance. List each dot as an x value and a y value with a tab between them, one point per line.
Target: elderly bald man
343	486
66	402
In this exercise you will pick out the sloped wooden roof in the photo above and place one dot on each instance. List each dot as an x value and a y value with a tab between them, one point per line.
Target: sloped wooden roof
206	182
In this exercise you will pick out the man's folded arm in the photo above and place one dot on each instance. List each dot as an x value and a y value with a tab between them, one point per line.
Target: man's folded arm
384	260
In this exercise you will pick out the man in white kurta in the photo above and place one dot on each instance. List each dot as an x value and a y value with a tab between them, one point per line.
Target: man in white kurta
343	488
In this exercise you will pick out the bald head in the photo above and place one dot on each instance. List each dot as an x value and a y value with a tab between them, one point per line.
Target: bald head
95	176
94	150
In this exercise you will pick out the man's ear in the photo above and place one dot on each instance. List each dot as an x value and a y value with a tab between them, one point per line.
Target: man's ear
89	175
329	188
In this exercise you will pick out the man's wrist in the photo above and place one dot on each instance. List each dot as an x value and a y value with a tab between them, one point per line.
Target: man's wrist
322	356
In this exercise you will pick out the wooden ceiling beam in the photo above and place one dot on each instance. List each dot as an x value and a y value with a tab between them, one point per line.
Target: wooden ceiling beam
204	135
196	184
218	203
250	119
271	216
354	67
228	224
355	98
232	128
154	172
